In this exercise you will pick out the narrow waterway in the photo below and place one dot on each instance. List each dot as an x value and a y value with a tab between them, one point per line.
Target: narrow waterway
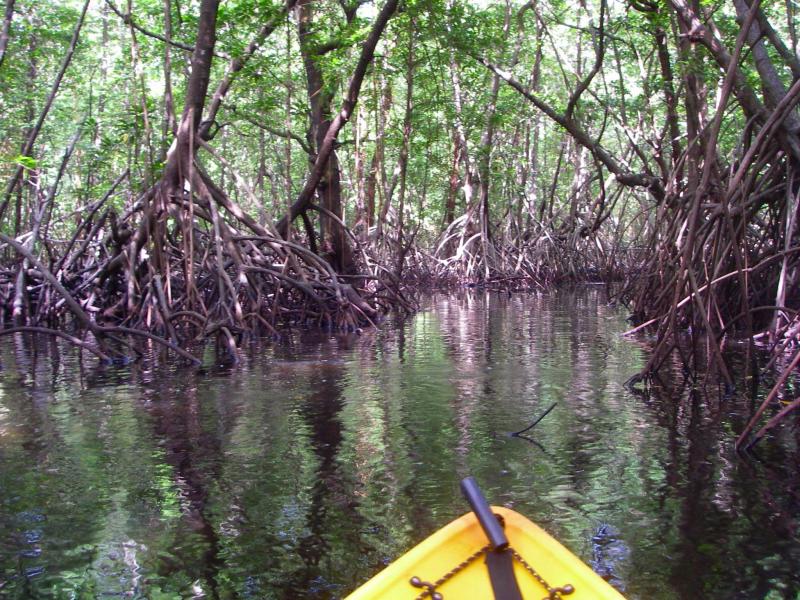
302	471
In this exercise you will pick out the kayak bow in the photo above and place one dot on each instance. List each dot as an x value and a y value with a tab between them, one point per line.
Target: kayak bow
450	563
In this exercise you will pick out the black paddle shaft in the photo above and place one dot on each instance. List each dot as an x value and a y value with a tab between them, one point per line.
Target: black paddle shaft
491	526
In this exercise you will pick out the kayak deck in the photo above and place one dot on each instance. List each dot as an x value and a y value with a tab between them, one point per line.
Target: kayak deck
446	549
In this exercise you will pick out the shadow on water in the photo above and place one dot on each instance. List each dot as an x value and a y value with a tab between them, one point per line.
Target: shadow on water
321	409
314	462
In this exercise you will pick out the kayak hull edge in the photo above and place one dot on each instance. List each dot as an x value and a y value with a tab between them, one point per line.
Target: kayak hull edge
435	556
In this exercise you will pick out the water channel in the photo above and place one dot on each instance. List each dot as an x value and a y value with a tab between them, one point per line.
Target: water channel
302	471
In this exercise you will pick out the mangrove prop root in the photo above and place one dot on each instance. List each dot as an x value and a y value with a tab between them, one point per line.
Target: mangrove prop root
137	275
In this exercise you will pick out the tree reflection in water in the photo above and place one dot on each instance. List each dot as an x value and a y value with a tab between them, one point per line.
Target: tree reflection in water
317	460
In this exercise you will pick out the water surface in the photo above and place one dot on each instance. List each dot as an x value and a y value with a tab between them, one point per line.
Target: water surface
304	470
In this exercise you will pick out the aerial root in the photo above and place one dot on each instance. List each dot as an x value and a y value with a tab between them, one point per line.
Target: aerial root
176	269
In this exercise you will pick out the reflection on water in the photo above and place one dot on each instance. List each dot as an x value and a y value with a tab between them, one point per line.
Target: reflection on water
305	470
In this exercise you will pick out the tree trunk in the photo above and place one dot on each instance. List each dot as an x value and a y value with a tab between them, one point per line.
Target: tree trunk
470	180
168	125
774	90
6	30
303	202
180	161
668	79
406	143
361	227
454	183
138	77
485	157
181	155
378	169
333	238
696	31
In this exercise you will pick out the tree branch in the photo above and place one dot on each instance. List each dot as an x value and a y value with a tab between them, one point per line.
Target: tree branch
289	135
128	20
598	62
625	177
34	133
237	64
365	59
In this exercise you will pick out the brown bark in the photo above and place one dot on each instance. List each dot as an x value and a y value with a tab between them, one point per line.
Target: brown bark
201	65
359	156
692	105
696	31
169	125
774	90
668	86
180	159
531	175
584	83
406	143
287	147
237	64
325	149
787	54
371	188
377	182
329	187
453	185
39	229
181	155
470	180
5	31
138	75
30	114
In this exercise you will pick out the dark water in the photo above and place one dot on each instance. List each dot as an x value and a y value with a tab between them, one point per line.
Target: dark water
301	472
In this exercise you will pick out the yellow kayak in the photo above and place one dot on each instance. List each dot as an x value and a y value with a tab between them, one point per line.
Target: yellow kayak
542	567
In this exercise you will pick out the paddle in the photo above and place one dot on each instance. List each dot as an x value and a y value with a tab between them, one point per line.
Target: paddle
499	559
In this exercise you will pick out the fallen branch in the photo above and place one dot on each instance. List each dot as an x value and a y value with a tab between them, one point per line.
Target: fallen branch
535	423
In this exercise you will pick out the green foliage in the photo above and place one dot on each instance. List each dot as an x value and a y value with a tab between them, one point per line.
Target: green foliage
25	161
101	88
